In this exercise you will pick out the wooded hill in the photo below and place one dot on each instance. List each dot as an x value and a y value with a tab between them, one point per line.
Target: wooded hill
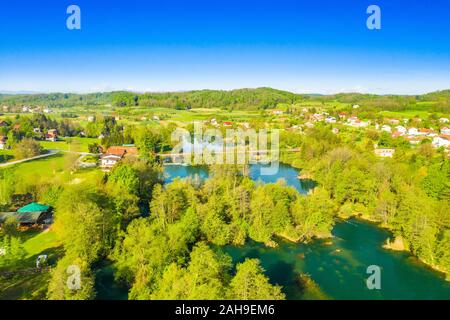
246	99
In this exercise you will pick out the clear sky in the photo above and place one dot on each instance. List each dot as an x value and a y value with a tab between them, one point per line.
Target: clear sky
314	46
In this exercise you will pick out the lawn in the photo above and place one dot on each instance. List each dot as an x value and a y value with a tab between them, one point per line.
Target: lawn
51	169
41	167
70	144
6	155
40	242
183	116
33	285
408	114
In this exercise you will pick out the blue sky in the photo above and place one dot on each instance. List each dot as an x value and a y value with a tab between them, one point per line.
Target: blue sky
319	46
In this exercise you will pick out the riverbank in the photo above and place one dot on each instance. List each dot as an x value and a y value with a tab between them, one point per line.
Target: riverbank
337	268
341	259
399	244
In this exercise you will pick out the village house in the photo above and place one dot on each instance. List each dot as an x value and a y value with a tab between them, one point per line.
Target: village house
342	115
441	141
37	130
277	112
444	120
90	118
352	119
227	124
413	131
330	120
427	132
3	143
414	139
26	109
393	121
47	110
52	135
401	129
214	122
397	134
357	123
386	128
108	161
3	123
115	154
445	130
155	118
384	152
317	117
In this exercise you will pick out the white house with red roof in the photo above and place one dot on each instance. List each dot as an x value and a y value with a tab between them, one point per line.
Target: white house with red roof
441	141
445	130
114	154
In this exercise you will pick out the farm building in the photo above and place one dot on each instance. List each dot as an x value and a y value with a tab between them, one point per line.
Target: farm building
384	152
29	215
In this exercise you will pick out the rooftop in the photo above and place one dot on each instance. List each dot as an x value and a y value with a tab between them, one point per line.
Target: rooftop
33	207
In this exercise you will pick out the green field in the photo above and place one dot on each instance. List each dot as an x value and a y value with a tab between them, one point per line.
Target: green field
53	169
6	155
70	144
408	114
33	285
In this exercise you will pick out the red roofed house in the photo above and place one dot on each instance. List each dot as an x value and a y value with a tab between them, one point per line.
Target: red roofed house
427	132
114	154
445	130
441	141
52	135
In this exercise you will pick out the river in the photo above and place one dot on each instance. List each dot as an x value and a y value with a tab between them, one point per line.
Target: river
338	265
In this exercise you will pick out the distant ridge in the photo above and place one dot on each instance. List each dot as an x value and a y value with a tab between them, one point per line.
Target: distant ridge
29	92
20	92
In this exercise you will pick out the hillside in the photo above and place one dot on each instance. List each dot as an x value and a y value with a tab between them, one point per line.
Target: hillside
242	99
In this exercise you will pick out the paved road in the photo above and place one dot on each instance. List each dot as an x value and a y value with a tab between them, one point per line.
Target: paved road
50	153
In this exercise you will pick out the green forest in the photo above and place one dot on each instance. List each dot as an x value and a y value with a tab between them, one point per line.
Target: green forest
240	99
